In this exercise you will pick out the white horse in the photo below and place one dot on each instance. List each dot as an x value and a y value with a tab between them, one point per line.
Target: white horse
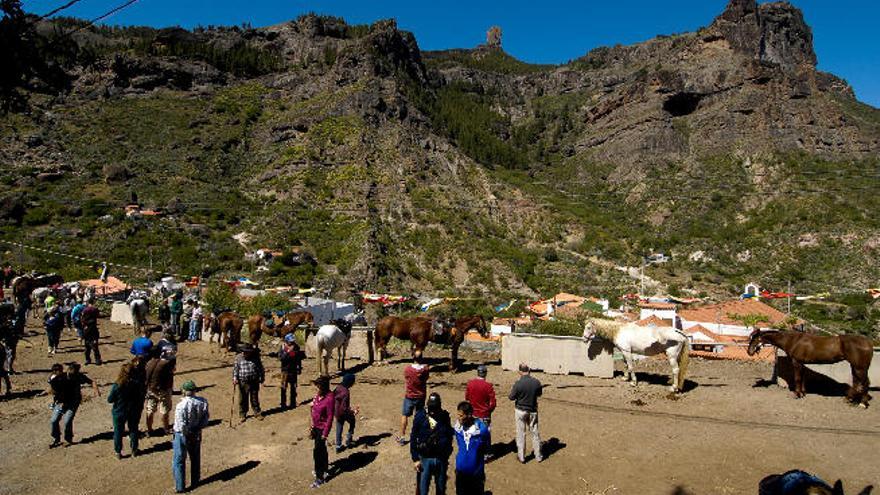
331	337
632	339
139	304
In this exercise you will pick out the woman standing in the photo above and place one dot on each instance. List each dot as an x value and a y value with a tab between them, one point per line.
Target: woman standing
127	397
322	420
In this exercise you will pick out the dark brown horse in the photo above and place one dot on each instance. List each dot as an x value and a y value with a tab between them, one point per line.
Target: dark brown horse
462	326
24	285
230	325
804	348
421	330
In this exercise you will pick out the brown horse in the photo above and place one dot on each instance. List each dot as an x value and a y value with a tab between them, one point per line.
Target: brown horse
256	326
230	325
417	330
24	285
421	330
292	321
462	326
804	348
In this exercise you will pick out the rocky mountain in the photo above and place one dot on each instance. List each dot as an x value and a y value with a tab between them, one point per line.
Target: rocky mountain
462	171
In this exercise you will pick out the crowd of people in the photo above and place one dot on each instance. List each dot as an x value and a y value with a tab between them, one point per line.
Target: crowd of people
144	388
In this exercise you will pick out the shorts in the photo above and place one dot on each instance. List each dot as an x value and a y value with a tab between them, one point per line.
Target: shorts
410	406
160	401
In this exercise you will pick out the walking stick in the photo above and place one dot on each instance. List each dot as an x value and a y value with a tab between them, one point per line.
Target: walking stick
232	406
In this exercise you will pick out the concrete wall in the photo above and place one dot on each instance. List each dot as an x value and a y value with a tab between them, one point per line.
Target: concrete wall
558	355
359	347
121	313
820	374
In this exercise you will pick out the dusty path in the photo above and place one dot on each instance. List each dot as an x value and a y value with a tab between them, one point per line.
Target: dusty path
602	436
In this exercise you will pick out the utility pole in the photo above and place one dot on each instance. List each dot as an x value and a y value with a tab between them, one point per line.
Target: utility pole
789	297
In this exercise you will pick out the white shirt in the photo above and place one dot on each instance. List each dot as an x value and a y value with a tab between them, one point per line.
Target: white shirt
191	415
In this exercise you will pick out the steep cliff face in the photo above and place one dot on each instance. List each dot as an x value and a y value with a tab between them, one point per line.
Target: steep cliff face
773	33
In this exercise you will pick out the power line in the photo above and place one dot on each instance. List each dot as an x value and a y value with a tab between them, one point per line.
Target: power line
59	9
90	260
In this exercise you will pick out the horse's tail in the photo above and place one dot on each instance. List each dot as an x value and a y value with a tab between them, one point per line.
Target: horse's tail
683	361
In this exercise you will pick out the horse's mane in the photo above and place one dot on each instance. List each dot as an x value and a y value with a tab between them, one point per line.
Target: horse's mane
606	328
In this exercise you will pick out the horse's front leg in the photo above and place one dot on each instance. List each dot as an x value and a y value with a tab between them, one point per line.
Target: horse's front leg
630	374
454	358
798	379
673	363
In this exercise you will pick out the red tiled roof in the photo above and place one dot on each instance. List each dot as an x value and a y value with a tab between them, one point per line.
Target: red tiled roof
718	313
657	305
654	320
112	286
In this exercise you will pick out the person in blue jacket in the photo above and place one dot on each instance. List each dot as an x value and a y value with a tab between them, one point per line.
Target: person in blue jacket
472	437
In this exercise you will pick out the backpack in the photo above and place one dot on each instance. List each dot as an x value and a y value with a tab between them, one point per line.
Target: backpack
432	445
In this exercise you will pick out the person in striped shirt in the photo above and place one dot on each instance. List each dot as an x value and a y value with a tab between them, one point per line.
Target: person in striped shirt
190	418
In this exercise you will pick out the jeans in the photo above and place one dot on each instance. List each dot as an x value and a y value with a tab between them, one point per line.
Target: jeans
175	325
195	327
53	336
91	345
467	484
319	454
340	423
119	425
79	329
527	421
248	392
435	468
288	382
186	445
64	412
11	341
488	423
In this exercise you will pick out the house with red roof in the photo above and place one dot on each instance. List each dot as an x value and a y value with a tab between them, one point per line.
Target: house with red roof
720	318
662	310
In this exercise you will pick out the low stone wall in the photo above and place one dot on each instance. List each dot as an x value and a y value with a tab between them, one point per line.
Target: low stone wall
825	374
121	313
359	347
558	355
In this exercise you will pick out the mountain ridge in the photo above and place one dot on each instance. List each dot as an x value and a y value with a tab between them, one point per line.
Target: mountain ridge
458	171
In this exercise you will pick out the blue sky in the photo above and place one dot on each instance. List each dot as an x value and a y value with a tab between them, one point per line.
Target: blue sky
549	31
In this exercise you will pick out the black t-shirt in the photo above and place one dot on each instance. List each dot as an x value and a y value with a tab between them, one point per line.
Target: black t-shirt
67	389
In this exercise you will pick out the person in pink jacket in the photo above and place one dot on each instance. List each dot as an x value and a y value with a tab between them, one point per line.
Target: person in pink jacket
322	420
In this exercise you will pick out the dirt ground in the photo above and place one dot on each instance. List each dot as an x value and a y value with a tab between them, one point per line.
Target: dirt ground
601	436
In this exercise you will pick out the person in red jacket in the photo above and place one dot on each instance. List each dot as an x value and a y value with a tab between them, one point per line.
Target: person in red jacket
481	395
416	378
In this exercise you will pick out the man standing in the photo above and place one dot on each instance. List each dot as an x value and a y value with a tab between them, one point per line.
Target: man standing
190	417
416	377
76	318
160	383
176	311
164	315
430	445
68	396
481	396
248	374
472	437
195	323
89	320
344	412
143	345
291	366
53	321
525	393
